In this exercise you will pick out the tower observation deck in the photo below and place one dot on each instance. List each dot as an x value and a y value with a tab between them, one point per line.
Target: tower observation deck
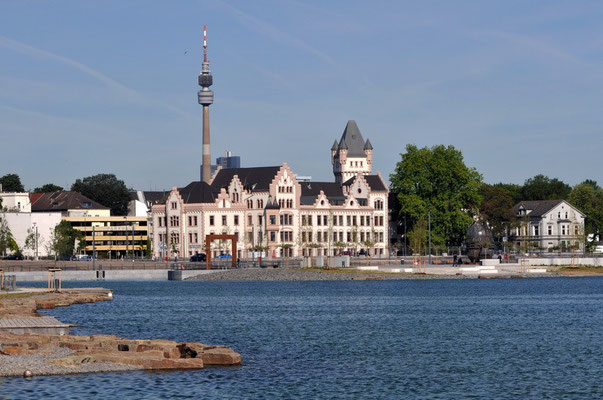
206	98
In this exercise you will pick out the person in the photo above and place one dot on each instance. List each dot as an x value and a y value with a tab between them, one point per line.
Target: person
454	260
500	259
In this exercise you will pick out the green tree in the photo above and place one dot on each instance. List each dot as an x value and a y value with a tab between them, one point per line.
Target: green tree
32	240
63	237
48	188
418	236
496	208
105	189
542	187
588	198
513	189
11	183
7	240
437	181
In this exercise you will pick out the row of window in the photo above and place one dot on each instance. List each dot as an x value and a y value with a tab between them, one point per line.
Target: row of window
308	237
565	230
351	220
285	189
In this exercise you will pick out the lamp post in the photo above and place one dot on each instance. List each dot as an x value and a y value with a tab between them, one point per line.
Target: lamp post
36	249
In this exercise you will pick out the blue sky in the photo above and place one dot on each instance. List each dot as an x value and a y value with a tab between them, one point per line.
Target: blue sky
110	86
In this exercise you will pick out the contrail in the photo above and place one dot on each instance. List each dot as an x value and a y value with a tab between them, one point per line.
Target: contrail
26	49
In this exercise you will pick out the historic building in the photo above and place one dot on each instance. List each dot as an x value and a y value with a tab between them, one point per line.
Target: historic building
548	224
268	208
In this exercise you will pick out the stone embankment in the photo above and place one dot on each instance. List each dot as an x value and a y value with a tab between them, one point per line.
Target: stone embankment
61	354
298	274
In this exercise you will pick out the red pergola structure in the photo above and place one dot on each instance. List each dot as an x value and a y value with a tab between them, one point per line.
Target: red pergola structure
208	240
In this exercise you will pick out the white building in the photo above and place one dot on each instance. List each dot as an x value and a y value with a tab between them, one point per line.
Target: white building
548	224
15	201
21	224
270	207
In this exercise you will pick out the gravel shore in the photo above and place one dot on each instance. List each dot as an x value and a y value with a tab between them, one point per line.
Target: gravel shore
38	364
295	274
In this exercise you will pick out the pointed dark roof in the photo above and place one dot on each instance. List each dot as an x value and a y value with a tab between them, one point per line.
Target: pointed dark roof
198	192
352	140
256	179
374	181
310	190
272	205
368	145
537	207
335	145
63	201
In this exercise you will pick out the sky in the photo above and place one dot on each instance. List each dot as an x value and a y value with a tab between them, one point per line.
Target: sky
110	86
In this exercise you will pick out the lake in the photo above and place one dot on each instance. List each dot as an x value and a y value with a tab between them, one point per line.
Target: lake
433	339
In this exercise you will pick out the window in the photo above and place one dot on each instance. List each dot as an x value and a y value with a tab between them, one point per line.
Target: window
563	229
576	230
566	215
196	237
195	220
378	205
348	220
260	219
354	220
224	220
211	220
159	220
319	237
550	230
273	219
250	220
318	220
174	205
341	236
236	220
362	220
324	220
341	220
536	231
249	203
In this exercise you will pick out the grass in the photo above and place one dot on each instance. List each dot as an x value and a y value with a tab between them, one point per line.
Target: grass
18	295
580	270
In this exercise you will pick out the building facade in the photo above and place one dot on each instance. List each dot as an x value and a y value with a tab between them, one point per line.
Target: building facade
115	237
548	225
269	209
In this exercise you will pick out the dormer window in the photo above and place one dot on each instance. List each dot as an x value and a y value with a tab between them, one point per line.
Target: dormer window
86	204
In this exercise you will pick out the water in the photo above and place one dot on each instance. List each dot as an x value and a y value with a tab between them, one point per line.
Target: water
436	339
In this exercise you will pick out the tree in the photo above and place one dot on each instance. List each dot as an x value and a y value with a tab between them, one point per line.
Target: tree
437	181
32	240
7	240
542	187
62	239
11	183
588	199
48	188
496	208
105	189
513	189
418	236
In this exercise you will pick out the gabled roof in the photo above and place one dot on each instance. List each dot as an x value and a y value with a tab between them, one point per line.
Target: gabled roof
198	192
256	179
63	201
310	190
352	140
334	147
374	181
537	207
368	145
